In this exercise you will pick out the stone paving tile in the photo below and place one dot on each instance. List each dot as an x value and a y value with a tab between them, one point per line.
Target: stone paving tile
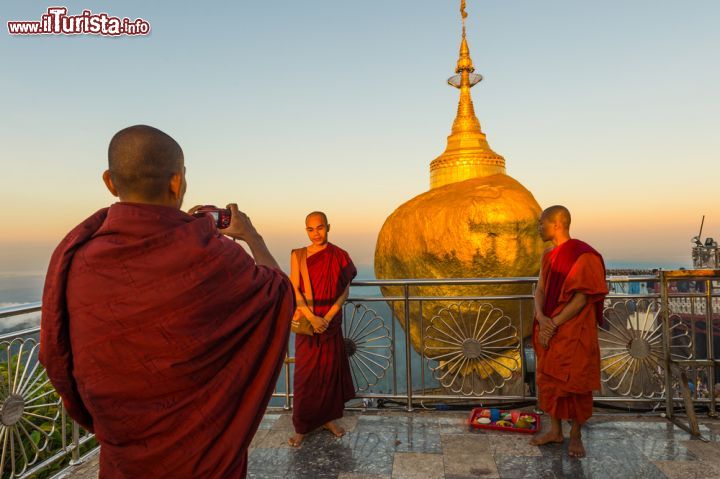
268	463
283	422
393	422
611	458
351	475
657	440
513	445
658	427
277	436
372	453
714	427
454	424
519	467
688	469
476	431
407	434
260	435
348	422
413	465
424	441
526	468
612	450
707	465
465	444
453	417
463	465
705	451
662	448
268	421
322	456
711	430
468	455
322	453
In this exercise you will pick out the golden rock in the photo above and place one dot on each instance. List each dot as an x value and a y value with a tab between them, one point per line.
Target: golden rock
478	228
475	221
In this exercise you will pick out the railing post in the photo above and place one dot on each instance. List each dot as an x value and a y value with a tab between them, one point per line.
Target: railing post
533	313
75	453
523	366
710	336
666	344
408	346
63	426
287	382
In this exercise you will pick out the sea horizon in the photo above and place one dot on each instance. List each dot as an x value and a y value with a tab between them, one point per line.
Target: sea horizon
23	287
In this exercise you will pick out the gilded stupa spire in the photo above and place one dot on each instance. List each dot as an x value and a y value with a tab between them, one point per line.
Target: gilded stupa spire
468	154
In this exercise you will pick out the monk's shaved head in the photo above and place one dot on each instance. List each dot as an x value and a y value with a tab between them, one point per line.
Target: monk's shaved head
317	228
557	213
142	160
317	213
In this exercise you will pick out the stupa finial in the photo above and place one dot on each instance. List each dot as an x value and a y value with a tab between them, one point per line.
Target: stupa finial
464	62
468	154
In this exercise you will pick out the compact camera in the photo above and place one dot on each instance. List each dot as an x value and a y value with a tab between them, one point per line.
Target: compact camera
222	216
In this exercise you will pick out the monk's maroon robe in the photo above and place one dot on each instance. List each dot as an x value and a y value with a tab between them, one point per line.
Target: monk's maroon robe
323	382
164	338
568	370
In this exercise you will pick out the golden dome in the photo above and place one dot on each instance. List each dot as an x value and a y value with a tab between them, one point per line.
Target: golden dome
478	228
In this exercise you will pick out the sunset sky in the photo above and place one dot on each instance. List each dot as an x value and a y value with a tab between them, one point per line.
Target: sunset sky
610	108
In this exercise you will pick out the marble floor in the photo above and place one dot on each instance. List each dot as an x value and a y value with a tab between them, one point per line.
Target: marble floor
431	444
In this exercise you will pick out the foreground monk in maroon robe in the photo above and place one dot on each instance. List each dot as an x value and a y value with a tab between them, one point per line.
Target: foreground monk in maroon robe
160	334
323	382
568	303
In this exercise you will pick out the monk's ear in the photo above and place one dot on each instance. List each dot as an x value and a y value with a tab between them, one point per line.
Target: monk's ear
176	185
109	184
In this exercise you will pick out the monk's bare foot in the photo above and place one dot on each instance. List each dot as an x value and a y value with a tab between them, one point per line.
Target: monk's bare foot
296	440
576	448
335	429
547	438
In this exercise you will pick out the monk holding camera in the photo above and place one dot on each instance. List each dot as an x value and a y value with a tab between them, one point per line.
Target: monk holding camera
162	335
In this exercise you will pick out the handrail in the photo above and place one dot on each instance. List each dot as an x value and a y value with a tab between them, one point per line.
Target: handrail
20	309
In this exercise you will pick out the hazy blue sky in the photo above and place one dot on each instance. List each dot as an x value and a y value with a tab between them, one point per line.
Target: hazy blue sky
610	107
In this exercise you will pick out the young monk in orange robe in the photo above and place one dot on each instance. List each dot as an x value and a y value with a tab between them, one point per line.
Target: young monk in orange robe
568	303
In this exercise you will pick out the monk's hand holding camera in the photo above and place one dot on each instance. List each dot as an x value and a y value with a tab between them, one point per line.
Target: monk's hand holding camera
229	221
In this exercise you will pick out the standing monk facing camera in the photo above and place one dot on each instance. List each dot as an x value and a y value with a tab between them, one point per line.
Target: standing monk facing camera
162	335
323	382
568	307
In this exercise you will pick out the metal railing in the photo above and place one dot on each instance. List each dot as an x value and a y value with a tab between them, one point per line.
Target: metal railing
490	333
703	313
467	342
36	434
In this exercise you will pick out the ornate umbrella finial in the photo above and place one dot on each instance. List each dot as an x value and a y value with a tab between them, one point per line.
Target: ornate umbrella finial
468	154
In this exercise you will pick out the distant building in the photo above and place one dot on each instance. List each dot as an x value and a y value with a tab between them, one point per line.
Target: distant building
705	256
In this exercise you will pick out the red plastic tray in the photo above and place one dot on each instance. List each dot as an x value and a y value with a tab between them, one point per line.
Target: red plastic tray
475	413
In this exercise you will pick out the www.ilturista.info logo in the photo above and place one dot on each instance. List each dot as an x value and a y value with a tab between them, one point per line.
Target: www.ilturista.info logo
57	22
